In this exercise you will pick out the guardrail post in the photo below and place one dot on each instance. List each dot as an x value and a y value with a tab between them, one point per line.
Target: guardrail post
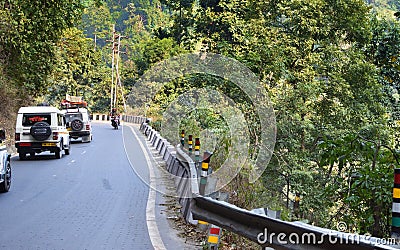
197	151
183	137
396	206
204	172
203	182
190	143
214	236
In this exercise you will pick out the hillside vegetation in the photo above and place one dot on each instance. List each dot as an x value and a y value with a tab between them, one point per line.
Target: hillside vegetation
331	69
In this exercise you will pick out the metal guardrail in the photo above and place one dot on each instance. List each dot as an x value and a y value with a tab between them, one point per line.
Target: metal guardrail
133	119
266	231
179	165
100	117
125	118
276	233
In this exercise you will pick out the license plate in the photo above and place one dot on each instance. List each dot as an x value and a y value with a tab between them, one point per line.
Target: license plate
69	129
49	144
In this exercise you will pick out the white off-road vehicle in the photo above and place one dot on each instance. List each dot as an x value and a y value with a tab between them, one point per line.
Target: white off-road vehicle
78	120
5	164
39	129
77	117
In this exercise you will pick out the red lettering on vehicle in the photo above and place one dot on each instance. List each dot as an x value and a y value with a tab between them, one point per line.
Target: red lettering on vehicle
36	119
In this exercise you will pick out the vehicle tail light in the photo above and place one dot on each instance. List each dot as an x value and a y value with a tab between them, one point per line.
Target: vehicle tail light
17	137
25	144
55	135
87	127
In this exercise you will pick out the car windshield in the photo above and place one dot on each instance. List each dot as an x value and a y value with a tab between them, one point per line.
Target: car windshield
30	119
71	117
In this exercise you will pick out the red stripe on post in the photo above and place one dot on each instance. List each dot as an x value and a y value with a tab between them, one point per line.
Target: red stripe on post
190	141
396	178
214	230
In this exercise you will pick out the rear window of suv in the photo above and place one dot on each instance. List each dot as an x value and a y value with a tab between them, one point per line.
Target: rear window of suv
71	117
30	119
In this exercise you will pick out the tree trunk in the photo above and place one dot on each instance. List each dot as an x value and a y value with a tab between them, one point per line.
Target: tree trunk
377	230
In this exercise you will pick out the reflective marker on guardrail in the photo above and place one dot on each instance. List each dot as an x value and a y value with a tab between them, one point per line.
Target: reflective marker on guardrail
183	137
214	236
203	180
396	205
190	143
204	171
197	151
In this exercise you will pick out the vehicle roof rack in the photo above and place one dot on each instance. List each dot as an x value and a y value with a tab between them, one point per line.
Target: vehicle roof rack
71	102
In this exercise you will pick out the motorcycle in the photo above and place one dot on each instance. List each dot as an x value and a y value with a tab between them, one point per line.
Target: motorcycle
115	122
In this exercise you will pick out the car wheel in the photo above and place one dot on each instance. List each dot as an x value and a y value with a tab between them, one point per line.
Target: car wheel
40	131
86	138
77	125
5	186
58	153
67	150
22	156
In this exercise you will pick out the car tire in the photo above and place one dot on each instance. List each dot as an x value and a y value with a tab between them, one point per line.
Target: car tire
6	184
77	125
67	150
22	156
40	131
87	138
58	153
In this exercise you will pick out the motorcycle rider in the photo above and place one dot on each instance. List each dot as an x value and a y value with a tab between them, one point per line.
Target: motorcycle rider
115	118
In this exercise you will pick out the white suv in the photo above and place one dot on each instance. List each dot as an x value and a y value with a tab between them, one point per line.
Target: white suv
78	123
40	129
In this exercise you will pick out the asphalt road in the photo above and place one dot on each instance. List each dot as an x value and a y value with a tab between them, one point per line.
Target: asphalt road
90	199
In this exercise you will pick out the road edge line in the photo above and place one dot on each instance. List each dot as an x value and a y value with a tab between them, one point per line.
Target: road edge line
154	234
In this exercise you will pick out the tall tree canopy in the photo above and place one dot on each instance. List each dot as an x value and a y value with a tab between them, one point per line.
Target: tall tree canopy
28	36
332	118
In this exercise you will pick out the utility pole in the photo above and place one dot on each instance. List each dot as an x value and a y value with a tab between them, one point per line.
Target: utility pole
118	76
112	70
115	75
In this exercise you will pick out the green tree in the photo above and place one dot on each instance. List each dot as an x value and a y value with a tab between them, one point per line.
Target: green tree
79	71
310	56
384	52
28	38
97	22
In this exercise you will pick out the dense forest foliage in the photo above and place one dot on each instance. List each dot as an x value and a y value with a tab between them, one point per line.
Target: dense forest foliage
331	68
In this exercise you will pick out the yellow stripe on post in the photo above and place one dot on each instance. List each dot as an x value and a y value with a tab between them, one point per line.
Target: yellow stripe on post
396	192
204	165
203	222
197	147
213	239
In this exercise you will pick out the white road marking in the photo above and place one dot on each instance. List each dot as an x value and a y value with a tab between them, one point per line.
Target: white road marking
154	234
84	152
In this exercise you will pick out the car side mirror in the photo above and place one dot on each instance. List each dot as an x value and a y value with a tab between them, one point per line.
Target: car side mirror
2	135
